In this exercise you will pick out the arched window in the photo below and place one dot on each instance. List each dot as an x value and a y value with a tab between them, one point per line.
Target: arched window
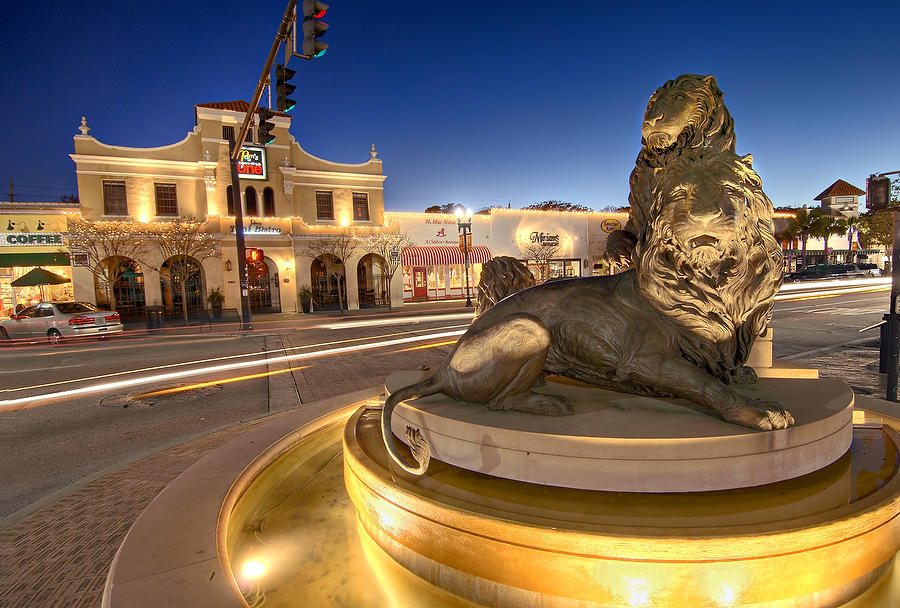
251	204
268	202
229	200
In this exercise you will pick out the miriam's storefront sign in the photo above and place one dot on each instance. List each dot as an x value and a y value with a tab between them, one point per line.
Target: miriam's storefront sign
251	163
18	239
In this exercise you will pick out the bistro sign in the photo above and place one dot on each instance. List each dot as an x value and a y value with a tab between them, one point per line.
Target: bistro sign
18	239
258	228
251	163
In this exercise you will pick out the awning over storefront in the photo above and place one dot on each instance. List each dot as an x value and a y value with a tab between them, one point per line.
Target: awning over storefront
33	259
435	256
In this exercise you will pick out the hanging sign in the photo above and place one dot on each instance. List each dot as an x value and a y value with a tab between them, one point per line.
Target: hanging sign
251	163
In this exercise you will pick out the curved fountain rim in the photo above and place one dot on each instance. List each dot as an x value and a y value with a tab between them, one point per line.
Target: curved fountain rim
185	550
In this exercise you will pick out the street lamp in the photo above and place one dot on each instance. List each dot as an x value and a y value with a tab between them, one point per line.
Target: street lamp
465	230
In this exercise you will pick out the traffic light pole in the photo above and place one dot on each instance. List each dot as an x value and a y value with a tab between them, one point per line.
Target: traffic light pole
893	333
234	152
246	324
280	36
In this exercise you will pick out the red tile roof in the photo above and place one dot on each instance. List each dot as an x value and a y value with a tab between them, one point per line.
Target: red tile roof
840	188
233	106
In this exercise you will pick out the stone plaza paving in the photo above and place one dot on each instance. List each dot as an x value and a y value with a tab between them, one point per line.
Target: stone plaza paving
59	554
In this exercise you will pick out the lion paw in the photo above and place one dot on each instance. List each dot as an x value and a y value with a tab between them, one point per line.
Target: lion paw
760	414
745	375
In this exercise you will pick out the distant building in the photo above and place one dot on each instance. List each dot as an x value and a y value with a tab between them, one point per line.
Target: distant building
841	198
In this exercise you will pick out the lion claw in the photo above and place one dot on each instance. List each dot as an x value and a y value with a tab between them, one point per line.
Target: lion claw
762	415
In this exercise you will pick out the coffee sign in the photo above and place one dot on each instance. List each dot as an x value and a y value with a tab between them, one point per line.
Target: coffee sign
14	239
251	163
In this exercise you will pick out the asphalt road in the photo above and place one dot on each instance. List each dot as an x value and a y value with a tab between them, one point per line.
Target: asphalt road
804	326
51	435
62	438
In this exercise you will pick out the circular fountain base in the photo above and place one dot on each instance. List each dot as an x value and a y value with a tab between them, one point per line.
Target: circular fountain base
817	540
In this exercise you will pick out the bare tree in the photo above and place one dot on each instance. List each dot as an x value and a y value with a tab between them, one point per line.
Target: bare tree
102	246
182	244
338	247
541	253
388	244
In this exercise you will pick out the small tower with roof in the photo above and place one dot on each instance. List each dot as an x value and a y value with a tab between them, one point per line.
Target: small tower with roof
841	199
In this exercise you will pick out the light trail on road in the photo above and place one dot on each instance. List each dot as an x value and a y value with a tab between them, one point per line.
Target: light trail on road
395	320
222	358
11	404
828	293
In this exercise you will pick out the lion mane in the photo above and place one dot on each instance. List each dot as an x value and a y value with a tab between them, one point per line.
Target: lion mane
691	105
723	303
501	276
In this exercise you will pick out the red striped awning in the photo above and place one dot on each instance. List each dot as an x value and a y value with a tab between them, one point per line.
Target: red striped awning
435	256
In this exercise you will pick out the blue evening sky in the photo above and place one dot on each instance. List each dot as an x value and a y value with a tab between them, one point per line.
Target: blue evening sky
481	103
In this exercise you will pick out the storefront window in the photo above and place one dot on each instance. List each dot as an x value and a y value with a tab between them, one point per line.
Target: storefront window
456	276
13	297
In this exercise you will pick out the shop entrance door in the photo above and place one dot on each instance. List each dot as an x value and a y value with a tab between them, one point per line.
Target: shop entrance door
420	283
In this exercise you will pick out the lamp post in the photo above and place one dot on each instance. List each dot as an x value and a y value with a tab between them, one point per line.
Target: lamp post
465	229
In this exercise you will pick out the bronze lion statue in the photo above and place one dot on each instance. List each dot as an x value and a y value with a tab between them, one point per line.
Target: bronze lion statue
679	324
501	276
686	113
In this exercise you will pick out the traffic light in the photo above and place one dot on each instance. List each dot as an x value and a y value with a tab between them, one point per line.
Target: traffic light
283	88
265	127
878	192
254	255
313	29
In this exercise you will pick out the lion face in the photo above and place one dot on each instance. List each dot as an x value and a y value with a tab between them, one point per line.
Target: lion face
681	108
709	259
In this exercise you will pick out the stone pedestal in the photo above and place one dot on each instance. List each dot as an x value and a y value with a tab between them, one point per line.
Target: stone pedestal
630	443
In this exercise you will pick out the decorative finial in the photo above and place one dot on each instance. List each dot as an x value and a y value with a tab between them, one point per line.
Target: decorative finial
84	128
373	153
206	155
284	162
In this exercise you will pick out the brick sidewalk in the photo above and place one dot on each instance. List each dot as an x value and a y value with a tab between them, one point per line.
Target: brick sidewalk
59	555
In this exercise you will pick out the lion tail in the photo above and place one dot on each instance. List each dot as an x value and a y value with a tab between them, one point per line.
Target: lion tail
420	449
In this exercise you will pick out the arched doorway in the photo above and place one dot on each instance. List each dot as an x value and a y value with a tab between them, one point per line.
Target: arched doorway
325	272
372	282
181	280
126	290
262	283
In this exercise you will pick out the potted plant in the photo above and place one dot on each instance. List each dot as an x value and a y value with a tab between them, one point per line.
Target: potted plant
306	298
215	299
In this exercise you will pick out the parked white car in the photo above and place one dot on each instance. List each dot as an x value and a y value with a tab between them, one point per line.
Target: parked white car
58	320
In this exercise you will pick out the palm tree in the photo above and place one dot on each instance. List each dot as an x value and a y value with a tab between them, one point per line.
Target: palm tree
801	227
851	226
824	226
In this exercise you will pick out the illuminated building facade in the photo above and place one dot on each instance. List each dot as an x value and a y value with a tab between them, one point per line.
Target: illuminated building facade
553	244
289	197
